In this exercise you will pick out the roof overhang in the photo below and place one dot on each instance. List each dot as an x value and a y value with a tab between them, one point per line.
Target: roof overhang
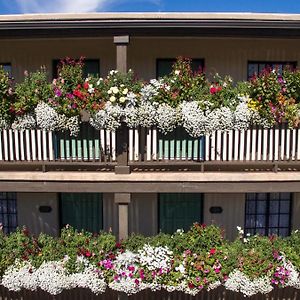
150	24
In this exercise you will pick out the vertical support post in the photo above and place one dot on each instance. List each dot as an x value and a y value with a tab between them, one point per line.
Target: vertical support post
123	200
121	43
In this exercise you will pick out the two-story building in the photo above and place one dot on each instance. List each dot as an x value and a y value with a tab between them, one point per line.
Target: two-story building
249	179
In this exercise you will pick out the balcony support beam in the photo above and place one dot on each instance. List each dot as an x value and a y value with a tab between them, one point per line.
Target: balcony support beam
123	200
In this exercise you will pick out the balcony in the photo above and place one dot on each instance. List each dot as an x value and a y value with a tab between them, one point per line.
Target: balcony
146	149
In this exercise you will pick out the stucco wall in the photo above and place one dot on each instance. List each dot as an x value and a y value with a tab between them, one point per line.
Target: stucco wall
233	213
29	215
226	56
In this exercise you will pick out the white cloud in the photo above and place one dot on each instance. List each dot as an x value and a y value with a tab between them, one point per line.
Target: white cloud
60	6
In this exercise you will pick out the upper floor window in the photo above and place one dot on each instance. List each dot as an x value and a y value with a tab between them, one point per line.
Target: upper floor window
256	67
91	67
7	68
179	211
268	213
164	65
8	211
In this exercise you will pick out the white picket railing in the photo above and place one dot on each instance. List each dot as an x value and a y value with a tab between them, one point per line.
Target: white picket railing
254	144
38	145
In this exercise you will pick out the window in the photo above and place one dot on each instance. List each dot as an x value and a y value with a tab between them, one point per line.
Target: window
268	213
8	211
164	66
179	211
91	67
82	211
7	68
255	67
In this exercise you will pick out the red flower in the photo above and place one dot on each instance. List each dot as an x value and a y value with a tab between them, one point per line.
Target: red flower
212	251
88	254
86	85
191	285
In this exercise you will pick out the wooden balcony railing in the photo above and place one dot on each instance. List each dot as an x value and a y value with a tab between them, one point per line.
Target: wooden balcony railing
147	148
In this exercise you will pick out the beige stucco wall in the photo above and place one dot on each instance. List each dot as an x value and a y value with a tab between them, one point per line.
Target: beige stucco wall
233	206
296	211
143	214
224	55
31	54
29	215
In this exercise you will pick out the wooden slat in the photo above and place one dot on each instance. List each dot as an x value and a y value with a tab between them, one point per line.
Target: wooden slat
11	145
294	144
28	145
288	144
5	144
248	144
298	143
51	144
44	143
113	145
271	144
39	144
259	143
33	144
242	144
224	147
207	148
130	145
136	145
219	145
154	143
265	145
1	144
282	143
276	144
230	145
253	144
213	146
236	145
22	144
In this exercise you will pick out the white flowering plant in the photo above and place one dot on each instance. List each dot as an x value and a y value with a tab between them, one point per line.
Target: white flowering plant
184	261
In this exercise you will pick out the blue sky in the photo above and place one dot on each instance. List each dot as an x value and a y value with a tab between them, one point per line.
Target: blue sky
56	6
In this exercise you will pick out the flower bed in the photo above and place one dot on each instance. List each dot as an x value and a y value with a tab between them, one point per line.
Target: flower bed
190	262
183	98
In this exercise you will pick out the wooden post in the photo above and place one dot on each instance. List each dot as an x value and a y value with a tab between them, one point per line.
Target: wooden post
123	200
121	43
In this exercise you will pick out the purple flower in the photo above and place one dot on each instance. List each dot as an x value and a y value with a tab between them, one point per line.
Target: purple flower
57	92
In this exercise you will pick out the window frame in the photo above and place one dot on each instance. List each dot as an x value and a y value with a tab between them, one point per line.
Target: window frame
173	60
8	228
267	214
284	63
8	64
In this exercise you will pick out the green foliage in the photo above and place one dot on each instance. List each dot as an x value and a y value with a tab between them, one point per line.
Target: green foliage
5	95
35	88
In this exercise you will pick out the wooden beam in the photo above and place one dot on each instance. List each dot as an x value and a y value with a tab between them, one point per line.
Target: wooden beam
121	43
150	187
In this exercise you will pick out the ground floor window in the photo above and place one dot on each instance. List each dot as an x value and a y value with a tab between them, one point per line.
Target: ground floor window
268	213
179	211
82	211
8	211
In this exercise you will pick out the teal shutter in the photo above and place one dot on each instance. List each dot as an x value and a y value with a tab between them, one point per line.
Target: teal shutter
82	211
179	211
178	144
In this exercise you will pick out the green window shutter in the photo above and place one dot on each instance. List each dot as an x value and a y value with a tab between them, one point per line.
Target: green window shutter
179	211
82	211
